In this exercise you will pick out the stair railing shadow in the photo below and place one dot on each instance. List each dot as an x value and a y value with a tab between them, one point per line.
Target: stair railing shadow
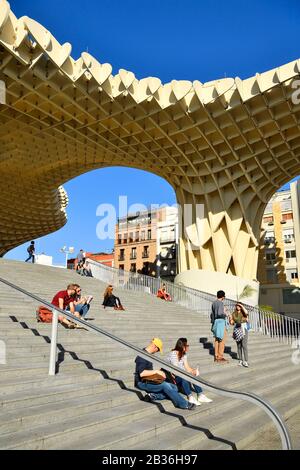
122	385
210	347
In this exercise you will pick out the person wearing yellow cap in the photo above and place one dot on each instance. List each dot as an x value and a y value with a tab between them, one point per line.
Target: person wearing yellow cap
146	379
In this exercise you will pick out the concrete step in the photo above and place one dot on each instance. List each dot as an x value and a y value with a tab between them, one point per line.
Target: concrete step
107	412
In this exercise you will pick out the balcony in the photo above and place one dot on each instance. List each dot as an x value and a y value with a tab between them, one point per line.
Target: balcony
121	258
167	240
133	256
145	254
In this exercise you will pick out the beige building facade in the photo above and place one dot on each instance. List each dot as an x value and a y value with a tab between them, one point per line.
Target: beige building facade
135	243
145	242
228	144
279	260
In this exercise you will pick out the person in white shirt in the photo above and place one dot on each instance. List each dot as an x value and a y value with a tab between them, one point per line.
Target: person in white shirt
178	357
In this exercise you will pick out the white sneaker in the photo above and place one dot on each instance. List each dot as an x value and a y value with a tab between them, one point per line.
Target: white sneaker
193	401
201	398
240	363
245	364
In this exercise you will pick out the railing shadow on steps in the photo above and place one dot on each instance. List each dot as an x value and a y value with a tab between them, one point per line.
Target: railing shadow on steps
249	397
278	327
60	359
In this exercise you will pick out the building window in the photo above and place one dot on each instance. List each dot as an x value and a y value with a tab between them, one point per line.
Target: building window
268	220
288	216
119	239
291	296
143	234
131	237
272	275
133	267
121	266
288	235
137	236
290	254
122	255
146	268
133	253
145	253
294	275
149	234
125	238
270	258
269	237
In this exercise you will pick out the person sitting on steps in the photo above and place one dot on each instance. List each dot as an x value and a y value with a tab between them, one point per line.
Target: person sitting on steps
163	294
110	300
178	357
64	299
82	303
146	376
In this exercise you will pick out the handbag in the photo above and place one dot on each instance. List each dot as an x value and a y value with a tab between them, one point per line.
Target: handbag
155	379
169	376
238	334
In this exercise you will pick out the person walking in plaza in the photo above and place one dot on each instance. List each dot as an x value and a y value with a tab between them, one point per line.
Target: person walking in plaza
31	252
154	381
239	319
219	326
178	357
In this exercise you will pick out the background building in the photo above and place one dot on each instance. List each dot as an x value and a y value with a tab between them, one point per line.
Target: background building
135	243
167	242
279	258
145	242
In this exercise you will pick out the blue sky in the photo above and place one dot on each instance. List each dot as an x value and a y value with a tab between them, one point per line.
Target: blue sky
170	39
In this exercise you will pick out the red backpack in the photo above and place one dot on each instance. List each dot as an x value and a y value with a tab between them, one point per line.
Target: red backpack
43	314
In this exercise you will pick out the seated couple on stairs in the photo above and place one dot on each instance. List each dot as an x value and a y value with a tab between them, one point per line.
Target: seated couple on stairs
161	384
70	300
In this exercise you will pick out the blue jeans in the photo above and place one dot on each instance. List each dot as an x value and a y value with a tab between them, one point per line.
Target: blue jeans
187	387
164	390
30	257
82	309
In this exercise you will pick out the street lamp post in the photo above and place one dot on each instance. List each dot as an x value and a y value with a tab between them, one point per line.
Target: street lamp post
67	251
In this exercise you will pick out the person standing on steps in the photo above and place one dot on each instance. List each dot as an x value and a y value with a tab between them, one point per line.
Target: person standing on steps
31	252
219	326
154	381
239	319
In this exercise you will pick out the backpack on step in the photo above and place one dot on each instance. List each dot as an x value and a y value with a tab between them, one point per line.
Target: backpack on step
44	315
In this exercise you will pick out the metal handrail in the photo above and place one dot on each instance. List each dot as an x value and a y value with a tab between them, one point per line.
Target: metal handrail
278	327
250	397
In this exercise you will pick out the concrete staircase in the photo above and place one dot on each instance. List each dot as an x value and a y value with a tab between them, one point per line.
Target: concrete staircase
92	403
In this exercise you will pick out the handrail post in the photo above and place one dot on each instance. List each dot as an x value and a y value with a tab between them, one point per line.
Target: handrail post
53	349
